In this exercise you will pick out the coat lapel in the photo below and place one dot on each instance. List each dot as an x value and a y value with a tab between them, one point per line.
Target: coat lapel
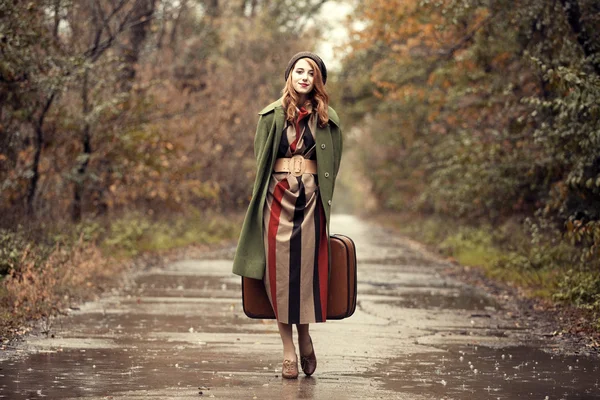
279	125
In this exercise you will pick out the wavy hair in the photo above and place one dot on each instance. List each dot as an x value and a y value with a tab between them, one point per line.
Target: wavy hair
318	97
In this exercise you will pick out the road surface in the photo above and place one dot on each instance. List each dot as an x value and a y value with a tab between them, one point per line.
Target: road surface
180	333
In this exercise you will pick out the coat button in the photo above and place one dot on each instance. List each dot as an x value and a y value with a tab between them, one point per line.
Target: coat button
323	146
326	174
329	202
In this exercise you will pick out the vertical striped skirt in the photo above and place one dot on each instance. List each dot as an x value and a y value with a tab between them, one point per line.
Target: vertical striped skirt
295	238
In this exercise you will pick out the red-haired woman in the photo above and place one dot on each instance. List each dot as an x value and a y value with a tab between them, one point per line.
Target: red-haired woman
284	239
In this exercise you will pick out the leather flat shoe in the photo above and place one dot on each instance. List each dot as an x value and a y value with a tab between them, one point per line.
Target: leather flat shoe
289	369
309	363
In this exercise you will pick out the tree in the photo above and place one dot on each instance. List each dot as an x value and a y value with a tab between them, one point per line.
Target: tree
483	109
108	105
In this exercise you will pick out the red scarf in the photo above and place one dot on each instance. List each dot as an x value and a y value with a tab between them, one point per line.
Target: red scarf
303	113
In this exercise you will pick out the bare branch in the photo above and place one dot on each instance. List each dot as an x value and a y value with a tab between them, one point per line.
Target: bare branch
309	14
99	47
449	53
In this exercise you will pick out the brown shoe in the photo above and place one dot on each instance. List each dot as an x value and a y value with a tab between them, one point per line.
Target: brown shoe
289	369
309	363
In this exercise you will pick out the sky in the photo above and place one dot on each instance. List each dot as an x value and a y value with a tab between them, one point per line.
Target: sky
333	16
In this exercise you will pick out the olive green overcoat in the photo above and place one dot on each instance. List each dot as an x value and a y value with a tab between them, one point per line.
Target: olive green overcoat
250	258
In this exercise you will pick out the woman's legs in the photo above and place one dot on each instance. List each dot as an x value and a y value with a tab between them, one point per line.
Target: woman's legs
308	360
289	350
289	368
290	359
304	339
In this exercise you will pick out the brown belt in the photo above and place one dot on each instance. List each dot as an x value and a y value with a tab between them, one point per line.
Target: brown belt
296	165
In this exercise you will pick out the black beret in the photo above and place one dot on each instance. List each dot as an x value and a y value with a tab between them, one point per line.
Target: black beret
312	56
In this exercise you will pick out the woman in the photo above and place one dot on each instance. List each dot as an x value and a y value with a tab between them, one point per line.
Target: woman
284	239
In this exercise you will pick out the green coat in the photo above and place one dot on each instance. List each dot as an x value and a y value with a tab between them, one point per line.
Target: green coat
250	258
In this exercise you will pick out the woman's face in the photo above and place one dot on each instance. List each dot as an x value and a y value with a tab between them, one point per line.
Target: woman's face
303	77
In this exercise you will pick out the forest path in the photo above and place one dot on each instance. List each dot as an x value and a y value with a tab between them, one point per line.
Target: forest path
416	334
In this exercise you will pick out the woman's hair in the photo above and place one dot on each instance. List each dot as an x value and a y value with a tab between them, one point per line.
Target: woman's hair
318	96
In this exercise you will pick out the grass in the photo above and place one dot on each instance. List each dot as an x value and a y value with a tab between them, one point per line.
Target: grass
135	234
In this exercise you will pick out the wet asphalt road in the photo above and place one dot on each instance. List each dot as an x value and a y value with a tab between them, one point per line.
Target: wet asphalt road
415	335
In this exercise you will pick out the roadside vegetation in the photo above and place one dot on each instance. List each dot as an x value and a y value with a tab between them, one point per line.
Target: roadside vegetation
45	276
508	254
479	121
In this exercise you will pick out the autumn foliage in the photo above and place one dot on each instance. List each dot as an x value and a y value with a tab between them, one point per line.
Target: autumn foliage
120	107
108	104
485	112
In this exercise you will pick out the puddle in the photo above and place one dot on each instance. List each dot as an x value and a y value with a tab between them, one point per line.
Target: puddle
177	282
454	301
470	372
101	372
392	280
403	260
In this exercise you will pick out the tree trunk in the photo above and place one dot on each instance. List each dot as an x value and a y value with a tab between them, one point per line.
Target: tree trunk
166	15
56	18
212	8
76	211
173	36
39	144
140	22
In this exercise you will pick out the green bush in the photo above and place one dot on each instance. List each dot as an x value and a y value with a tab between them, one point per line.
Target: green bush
125	234
13	247
180	231
135	234
581	288
471	246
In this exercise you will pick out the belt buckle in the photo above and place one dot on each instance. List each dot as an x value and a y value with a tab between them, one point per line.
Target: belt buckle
297	165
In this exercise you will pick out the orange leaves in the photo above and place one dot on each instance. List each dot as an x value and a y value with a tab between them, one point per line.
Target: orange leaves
409	35
37	289
480	15
452	120
386	85
501	59
433	116
403	26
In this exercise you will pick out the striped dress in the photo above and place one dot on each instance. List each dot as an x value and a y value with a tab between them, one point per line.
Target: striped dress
295	236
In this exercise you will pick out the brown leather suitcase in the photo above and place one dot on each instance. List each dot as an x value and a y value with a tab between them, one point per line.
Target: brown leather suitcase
341	300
